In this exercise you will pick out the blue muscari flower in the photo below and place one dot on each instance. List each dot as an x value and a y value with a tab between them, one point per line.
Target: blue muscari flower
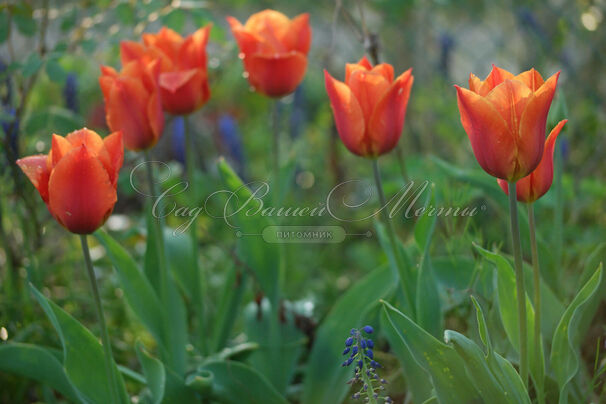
368	329
349	341
178	138
369	343
297	115
354	351
369	353
231	140
70	92
363	343
353	331
346	351
360	364
11	130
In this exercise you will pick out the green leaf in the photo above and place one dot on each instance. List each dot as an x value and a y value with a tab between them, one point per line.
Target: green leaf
125	13
325	379
440	361
236	383
23	18
508	309
428	310
31	65
55	72
175	19
60	119
153	369
499	366
417	382
84	360
275	358
564	348
263	258
139	293
4	27
38	363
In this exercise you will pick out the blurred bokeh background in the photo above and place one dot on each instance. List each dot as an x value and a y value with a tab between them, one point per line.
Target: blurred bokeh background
50	54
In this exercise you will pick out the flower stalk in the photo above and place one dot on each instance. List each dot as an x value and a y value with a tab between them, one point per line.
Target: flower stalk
107	350
520	288
537	292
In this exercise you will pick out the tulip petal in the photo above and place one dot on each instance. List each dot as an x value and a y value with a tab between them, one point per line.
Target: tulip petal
37	170
276	75
114	146
192	54
491	139
385	70
81	195
369	88
60	146
166	40
348	115
387	120
272	26
532	126
531	78
183	92
131	51
510	98
298	36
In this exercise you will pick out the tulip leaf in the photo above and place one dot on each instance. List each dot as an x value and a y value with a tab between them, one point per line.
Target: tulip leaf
325	379
138	291
428	310
508	309
565	356
37	363
153	369
417	382
236	383
84	360
262	257
440	361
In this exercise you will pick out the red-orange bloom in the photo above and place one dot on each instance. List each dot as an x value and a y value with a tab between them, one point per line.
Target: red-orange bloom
77	179
183	78
274	50
505	117
370	106
535	185
132	103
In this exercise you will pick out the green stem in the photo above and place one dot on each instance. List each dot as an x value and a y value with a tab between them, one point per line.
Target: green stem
107	349
190	166
537	292
159	235
391	234
276	151
520	289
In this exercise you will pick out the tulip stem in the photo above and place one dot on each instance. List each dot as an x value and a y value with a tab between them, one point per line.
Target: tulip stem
276	150
159	235
537	295
190	166
107	349
391	235
520	289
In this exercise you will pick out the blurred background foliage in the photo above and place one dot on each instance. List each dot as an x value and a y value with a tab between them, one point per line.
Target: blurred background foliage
50	53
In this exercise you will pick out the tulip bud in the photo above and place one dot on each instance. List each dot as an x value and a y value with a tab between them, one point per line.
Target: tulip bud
535	185
274	50
183	78
77	180
505	118
132	103
370	106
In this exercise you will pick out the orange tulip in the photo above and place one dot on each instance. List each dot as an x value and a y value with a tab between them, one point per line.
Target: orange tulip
274	50
132	103
370	107
183	78
77	179
535	185
505	117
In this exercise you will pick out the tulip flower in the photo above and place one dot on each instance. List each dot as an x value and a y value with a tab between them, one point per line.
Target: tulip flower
77	179
535	185
370	106
505	118
183	77
132	103
274	50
